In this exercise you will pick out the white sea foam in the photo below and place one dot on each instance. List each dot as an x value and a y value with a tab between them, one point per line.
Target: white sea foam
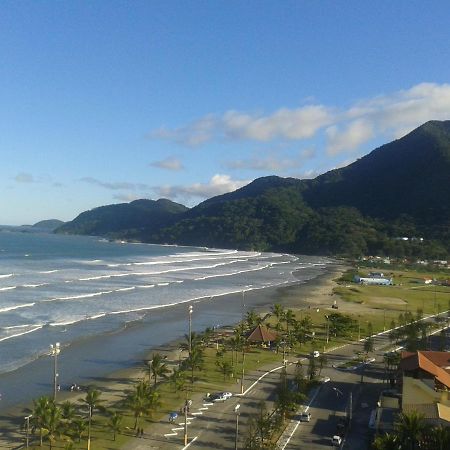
126	289
77	297
50	271
8	288
62	324
12	308
20	334
34	285
7	275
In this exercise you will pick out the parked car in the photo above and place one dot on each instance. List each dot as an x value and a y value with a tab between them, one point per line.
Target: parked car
305	417
225	394
219	397
324	379
315	354
336	441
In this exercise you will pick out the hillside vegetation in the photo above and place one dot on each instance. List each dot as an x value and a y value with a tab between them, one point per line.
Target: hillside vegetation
401	189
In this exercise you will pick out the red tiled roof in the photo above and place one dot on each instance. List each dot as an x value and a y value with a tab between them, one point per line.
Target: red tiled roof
261	334
435	363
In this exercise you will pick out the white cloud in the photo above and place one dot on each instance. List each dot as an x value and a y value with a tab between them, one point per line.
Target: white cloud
381	117
355	134
169	163
219	184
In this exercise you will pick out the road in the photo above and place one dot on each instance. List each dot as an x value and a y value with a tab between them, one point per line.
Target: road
212	426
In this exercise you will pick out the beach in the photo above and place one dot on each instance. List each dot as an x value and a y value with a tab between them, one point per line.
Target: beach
95	361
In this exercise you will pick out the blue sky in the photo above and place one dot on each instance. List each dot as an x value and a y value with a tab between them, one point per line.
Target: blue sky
108	101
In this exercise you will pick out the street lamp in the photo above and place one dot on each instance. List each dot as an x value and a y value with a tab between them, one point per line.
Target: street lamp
27	438
190	309
54	351
190	329
236	411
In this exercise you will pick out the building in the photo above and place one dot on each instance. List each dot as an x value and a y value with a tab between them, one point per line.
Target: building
371	280
425	383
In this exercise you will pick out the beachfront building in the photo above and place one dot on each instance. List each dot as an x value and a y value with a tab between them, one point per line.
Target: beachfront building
374	280
425	384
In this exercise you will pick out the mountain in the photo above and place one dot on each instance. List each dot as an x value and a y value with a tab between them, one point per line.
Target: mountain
401	189
134	220
49	224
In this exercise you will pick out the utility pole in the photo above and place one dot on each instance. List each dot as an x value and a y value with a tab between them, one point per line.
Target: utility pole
27	439
54	351
243	368
236	410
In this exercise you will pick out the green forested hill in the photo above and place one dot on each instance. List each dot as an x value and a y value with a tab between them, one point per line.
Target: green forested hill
135	220
400	189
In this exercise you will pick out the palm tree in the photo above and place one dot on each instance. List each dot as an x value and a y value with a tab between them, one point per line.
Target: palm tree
52	424
289	318
278	312
115	424
68	412
322	362
138	406
157	368
41	407
225	367
92	400
142	401
410	428
178	379
386	442
194	361
79	427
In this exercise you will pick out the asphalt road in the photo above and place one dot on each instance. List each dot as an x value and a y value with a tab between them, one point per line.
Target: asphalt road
213	426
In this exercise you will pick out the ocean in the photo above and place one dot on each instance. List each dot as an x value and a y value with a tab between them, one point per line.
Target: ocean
66	289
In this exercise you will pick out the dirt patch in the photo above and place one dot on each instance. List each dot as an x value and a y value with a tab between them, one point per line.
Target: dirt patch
389	300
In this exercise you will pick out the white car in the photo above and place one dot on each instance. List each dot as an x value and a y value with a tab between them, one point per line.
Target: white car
324	379
336	441
226	394
315	354
305	417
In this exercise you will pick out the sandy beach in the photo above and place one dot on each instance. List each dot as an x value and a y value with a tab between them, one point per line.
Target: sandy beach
119	374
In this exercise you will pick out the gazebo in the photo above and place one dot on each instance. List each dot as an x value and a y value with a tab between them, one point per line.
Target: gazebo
262	335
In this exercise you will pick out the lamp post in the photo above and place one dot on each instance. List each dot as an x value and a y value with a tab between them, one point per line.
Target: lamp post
54	351
236	411
186	400
384	319
27	438
243	368
190	329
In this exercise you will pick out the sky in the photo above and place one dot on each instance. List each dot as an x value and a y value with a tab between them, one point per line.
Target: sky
110	101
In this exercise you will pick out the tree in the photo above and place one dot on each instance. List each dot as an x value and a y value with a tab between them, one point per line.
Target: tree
411	427
92	400
194	361
225	367
79	427
178	379
41	407
312	368
289	318
278	312
115	424
322	359
368	345
52	424
157	367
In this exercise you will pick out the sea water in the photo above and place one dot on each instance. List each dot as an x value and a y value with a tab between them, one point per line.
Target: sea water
57	288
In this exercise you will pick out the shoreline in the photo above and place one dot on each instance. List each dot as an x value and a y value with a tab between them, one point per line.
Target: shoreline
112	383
